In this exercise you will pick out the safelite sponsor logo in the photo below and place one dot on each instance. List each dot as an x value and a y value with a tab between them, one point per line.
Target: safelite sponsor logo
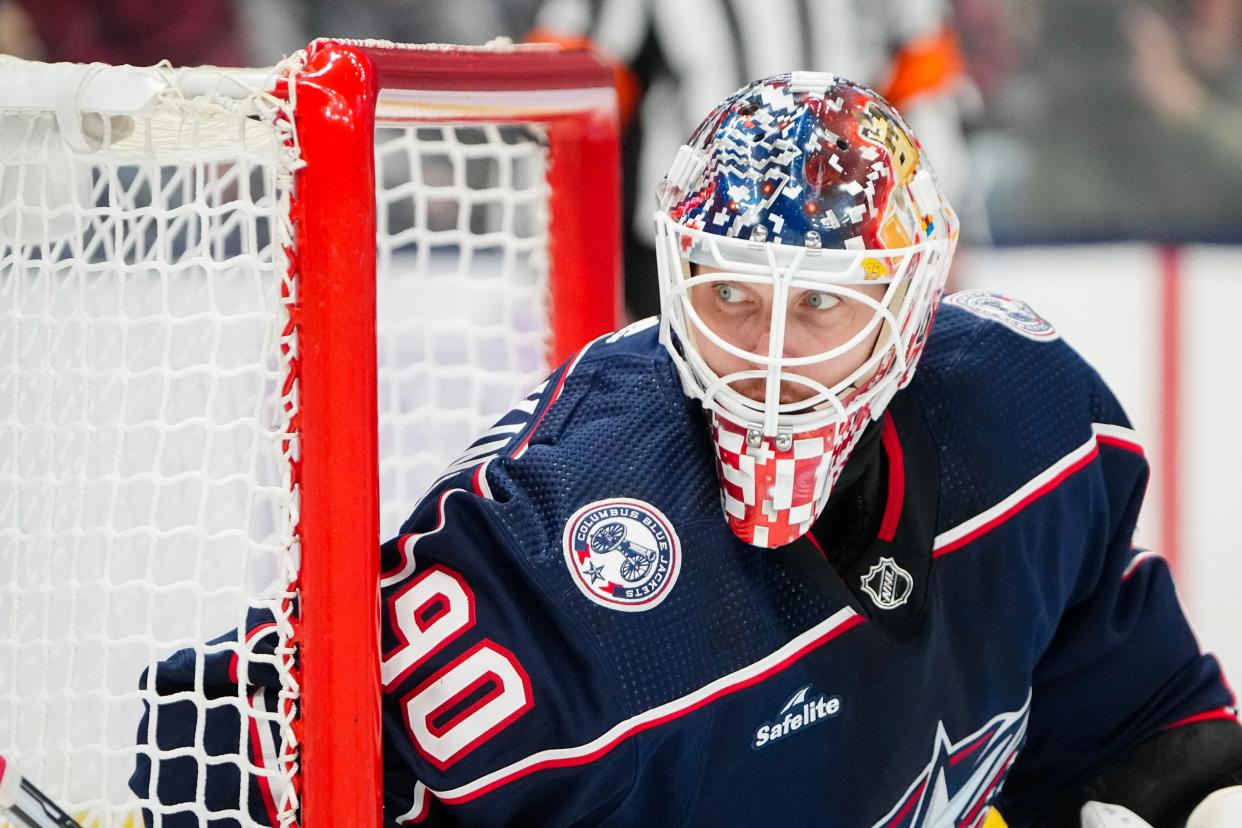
800	712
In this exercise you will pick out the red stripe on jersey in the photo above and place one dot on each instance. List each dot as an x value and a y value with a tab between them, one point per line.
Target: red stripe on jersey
256	756
252	636
987	793
896	479
481	486
399	565
1137	561
1112	436
1118	442
1003	517
811	537
918	792
969	749
638	727
560	384
1205	716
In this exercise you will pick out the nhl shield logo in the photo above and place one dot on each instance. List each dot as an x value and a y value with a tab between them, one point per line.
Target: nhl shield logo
888	584
622	553
1012	313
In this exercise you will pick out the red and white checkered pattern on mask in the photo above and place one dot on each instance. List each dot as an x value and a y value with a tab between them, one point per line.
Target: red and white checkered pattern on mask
772	496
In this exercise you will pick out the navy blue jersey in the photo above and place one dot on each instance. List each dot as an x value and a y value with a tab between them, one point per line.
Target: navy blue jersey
573	636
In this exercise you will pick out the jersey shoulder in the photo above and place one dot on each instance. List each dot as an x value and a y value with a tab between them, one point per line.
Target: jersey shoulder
1008	400
608	423
994	345
991	356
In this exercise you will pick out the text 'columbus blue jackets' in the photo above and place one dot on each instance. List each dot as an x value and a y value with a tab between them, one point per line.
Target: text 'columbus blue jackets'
573	636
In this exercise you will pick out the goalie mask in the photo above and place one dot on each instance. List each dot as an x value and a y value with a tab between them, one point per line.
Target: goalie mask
803	244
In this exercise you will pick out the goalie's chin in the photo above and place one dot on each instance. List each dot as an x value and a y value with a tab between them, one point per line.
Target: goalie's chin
757	390
774	487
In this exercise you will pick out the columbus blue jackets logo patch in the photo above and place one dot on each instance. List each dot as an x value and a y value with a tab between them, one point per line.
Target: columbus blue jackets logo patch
622	554
888	584
1012	313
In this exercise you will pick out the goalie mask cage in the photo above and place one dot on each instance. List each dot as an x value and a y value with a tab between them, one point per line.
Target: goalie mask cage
191	427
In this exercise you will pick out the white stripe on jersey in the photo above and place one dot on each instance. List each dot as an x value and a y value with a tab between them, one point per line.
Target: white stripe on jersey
769	665
475	455
527	405
506	428
407	543
1014	500
1137	561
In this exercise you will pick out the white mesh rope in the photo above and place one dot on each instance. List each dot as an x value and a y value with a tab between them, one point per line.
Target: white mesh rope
144	489
145	498
144	494
462	294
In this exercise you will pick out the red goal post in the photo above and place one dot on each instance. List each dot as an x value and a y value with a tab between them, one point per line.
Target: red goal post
176	242
560	89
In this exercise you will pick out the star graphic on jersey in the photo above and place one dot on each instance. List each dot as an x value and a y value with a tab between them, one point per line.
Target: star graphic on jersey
595	572
958	783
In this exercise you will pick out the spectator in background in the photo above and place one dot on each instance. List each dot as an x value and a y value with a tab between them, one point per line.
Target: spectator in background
1188	70
278	27
991	33
138	32
240	32
17	38
676	58
1126	125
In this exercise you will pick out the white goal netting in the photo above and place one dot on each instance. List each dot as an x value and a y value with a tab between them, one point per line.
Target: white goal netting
463	238
145	394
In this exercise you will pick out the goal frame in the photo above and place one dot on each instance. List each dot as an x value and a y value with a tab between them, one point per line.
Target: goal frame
346	88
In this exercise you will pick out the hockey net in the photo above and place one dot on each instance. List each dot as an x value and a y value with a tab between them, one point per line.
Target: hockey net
191	359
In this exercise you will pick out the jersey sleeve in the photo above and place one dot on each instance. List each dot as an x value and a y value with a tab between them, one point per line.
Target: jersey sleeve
215	722
491	696
1123	664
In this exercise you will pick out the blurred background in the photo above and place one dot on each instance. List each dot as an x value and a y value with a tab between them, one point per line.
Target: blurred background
1094	151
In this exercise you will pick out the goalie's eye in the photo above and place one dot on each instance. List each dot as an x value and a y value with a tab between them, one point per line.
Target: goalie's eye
822	300
729	293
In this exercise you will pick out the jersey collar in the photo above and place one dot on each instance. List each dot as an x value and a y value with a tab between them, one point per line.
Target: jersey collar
892	500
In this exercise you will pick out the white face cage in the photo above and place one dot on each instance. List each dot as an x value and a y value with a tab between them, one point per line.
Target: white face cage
913	277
